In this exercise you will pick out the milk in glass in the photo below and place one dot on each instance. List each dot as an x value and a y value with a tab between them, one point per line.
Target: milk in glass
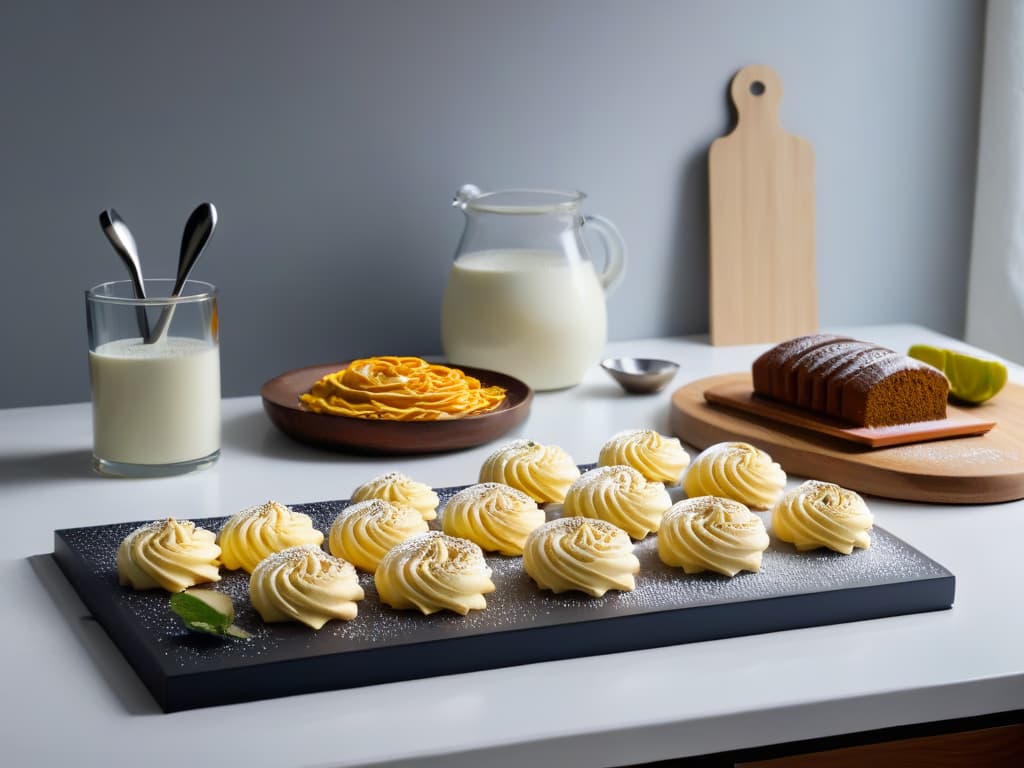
155	403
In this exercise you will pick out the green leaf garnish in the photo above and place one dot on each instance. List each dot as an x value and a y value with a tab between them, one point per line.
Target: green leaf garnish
206	611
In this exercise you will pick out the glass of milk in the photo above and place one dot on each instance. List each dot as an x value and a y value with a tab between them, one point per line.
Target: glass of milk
155	406
523	295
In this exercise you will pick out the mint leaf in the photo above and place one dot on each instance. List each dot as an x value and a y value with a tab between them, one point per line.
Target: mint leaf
203	610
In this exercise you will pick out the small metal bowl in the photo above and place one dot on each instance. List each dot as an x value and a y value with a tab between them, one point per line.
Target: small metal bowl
640	375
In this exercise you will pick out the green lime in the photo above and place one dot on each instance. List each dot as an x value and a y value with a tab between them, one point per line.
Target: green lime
971	379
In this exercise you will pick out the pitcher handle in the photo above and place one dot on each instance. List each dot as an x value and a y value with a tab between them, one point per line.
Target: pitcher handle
614	249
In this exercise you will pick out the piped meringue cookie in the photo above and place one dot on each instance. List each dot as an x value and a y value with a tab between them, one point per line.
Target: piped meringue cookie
305	584
168	554
582	554
737	471
363	532
250	535
400	488
621	496
658	458
708	533
542	472
495	516
432	572
818	514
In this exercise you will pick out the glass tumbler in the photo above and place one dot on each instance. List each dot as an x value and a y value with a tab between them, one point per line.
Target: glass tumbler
154	367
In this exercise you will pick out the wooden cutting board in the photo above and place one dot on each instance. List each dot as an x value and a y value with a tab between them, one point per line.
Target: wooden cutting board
737	392
965	470
763	286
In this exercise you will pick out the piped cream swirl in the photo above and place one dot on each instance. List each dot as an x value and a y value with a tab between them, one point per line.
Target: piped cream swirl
401	489
305	584
658	458
736	471
542	472
250	535
494	515
707	533
168	554
432	572
582	554
621	496
818	514
363	532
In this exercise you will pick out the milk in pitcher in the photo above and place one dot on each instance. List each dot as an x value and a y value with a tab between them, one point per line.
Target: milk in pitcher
528	313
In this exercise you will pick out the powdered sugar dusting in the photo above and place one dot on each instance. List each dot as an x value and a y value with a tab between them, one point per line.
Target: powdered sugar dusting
299	553
573	524
421	543
370	508
260	510
705	506
159	525
482	491
389	478
972	455
617	475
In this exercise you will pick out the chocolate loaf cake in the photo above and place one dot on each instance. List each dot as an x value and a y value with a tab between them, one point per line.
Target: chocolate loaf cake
851	380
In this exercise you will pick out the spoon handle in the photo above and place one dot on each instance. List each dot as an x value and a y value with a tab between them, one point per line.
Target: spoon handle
198	231
142	319
160	329
121	238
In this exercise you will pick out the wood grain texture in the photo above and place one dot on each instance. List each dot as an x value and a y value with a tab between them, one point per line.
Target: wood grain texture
763	284
965	470
984	748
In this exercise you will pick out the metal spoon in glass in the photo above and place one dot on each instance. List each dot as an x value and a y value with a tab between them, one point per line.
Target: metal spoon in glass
120	237
198	231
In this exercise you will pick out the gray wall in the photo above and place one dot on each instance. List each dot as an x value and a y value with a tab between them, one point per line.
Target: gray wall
332	136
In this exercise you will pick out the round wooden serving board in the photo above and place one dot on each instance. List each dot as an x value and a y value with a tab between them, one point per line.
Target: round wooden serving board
965	470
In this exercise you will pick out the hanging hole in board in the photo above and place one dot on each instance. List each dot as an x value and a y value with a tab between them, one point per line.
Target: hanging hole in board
757	87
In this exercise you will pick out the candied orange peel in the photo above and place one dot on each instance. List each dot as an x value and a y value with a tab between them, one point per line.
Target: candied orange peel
401	389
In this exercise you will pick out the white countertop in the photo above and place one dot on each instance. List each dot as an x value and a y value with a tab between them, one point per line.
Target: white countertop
72	698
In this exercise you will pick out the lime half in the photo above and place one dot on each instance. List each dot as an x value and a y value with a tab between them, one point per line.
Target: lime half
971	379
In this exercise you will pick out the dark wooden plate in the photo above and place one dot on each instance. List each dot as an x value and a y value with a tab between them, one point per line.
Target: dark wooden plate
281	402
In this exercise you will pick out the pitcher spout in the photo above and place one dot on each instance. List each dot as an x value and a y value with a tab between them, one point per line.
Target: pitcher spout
465	194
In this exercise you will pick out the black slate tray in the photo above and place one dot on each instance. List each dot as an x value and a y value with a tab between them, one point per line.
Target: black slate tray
521	624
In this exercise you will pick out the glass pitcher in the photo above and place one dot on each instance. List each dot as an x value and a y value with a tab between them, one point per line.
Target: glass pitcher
523	296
